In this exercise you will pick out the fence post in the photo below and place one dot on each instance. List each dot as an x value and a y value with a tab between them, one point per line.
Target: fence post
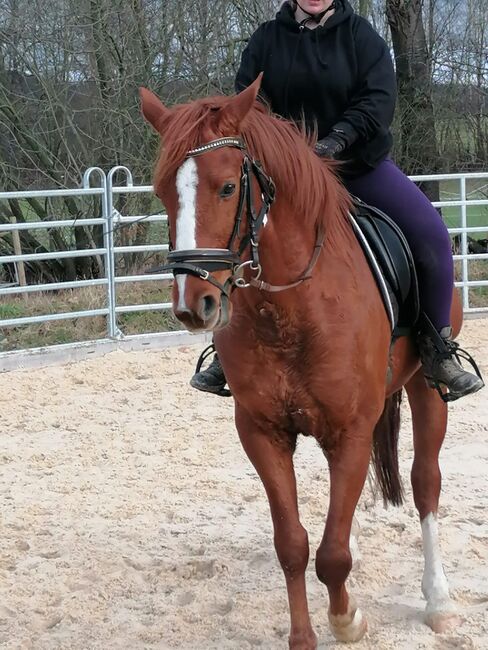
464	244
18	251
114	332
107	227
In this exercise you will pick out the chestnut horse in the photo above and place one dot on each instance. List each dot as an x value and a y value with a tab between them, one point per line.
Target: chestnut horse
307	346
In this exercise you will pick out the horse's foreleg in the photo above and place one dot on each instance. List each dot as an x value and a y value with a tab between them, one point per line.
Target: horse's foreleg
272	456
429	417
348	469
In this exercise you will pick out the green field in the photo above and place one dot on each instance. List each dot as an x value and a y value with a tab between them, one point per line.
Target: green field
476	215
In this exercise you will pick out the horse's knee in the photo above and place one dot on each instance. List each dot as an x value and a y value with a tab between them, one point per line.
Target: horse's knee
292	549
333	563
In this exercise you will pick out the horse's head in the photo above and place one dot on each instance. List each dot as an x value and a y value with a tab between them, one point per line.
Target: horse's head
209	187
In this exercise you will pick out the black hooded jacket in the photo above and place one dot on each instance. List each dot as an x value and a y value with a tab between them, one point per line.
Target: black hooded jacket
337	76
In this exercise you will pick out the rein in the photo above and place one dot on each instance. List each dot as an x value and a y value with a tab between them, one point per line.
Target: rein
201	262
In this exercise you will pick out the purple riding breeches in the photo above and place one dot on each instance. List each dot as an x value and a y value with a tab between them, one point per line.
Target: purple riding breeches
390	190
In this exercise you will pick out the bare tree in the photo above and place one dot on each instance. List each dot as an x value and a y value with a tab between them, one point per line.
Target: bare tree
70	70
418	153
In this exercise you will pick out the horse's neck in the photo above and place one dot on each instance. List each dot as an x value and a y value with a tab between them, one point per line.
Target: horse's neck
288	242
279	320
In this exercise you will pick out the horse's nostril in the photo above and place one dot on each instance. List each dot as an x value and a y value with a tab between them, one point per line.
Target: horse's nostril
208	307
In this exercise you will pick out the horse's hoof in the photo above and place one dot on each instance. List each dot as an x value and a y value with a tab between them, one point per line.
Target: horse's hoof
441	622
306	641
349	627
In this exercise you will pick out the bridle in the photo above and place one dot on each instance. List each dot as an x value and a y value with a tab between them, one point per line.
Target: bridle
201	262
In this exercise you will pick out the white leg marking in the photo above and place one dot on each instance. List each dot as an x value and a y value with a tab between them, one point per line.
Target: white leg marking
349	627
355	552
353	543
186	185
434	581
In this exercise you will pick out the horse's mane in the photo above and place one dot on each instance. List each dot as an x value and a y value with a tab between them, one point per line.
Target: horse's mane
309	183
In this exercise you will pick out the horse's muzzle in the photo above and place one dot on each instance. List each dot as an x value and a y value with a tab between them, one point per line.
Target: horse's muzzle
202	316
200	307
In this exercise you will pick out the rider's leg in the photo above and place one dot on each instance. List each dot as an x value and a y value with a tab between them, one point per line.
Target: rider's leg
390	190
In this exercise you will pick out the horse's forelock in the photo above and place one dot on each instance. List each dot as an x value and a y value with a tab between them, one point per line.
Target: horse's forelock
185	130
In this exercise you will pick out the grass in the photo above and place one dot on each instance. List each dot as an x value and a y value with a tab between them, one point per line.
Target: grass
11	310
139	293
478	296
476	215
477	270
87	328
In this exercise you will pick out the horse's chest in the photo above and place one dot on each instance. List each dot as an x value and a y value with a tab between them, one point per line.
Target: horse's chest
275	329
285	398
287	368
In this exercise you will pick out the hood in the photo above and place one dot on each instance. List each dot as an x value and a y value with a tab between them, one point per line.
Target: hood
286	17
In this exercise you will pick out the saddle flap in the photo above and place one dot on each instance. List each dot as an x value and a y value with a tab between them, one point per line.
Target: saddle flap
393	256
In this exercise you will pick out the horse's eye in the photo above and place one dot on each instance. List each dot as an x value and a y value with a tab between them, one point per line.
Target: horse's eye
227	190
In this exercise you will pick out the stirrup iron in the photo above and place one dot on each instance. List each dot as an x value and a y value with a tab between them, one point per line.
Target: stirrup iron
446	349
209	350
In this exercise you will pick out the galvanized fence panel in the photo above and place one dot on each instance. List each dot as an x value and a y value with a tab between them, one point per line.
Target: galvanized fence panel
119	220
110	219
84	191
464	203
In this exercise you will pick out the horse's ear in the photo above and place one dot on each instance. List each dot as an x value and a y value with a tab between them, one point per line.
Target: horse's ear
153	110
234	112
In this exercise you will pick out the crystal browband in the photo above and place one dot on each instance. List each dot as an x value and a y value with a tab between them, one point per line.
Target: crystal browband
216	144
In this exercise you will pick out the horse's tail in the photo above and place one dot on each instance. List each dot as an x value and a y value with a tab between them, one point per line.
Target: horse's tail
385	451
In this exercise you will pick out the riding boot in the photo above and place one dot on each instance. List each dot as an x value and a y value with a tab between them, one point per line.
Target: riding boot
441	357
211	380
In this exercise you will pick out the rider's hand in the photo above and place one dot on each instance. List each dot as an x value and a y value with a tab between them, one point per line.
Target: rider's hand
331	146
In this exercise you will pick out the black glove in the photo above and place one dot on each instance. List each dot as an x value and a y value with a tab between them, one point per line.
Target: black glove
331	146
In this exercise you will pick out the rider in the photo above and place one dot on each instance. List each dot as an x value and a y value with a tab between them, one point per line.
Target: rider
325	64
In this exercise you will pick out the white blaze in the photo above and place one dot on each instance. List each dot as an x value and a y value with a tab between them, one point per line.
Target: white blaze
186	185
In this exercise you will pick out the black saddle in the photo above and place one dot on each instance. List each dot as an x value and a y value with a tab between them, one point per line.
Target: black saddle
391	262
